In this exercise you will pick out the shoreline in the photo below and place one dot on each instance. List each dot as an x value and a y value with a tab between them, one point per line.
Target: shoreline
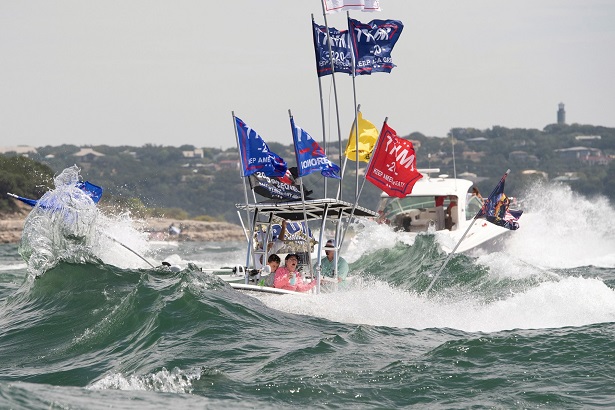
11	227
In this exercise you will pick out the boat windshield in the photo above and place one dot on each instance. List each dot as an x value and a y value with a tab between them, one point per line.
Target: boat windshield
390	207
474	205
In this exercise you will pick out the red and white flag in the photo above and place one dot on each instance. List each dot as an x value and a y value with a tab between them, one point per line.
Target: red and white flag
333	6
393	164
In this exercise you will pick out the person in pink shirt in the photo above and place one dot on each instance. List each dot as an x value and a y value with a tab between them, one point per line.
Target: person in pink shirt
287	277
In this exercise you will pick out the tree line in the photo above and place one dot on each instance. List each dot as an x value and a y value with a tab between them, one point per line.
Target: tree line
161	181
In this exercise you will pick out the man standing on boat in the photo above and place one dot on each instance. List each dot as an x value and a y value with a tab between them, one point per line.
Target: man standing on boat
327	264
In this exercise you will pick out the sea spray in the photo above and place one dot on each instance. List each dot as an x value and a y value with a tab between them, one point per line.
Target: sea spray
60	226
66	225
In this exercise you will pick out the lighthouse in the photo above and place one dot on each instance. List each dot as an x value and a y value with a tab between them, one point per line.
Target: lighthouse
561	114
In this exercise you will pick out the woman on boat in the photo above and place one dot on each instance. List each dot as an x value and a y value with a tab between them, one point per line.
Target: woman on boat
287	277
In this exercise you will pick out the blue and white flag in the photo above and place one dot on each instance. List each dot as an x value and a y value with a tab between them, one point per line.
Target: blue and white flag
340	49
372	44
310	156
255	154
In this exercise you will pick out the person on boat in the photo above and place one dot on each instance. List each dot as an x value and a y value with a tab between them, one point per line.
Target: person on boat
273	246
274	263
287	277
440	219
278	241
327	264
451	212
476	193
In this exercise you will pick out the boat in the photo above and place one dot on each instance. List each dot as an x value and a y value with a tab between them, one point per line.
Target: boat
321	213
417	213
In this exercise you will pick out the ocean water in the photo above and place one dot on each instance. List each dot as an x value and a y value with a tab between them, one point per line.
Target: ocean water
529	325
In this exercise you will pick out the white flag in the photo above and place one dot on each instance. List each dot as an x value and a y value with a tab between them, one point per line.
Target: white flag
333	6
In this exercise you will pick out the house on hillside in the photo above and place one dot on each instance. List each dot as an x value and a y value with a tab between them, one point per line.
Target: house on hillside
473	156
522	157
23	150
87	154
591	156
588	137
196	153
228	164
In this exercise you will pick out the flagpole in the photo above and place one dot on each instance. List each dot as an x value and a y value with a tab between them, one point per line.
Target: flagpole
322	104
364	179
293	131
354	95
355	126
245	188
245	191
450	255
337	110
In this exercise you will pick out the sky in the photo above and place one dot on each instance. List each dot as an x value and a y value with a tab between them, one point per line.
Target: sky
136	72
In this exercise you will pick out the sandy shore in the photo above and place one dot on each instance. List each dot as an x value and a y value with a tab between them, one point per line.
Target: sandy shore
193	230
11	227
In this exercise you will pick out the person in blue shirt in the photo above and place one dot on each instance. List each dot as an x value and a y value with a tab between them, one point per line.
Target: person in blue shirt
327	264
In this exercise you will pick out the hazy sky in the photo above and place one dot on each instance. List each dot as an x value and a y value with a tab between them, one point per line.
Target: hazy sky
134	72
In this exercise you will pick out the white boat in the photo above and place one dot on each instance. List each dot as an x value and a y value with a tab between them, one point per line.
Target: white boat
417	213
319	212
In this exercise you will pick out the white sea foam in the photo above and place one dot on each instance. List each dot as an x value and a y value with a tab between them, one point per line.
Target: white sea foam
562	229
175	381
573	301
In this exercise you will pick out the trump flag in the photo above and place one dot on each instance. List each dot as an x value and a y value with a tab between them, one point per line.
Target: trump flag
255	154
393	165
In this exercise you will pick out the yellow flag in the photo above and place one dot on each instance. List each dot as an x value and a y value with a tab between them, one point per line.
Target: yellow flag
368	134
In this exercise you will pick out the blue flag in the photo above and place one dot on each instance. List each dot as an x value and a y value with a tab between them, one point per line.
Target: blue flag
255	154
495	208
94	191
310	156
340	48
372	44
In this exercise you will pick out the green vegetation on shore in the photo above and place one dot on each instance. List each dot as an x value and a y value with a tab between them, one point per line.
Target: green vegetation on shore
186	182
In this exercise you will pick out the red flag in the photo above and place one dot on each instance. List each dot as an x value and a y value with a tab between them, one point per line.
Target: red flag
393	165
